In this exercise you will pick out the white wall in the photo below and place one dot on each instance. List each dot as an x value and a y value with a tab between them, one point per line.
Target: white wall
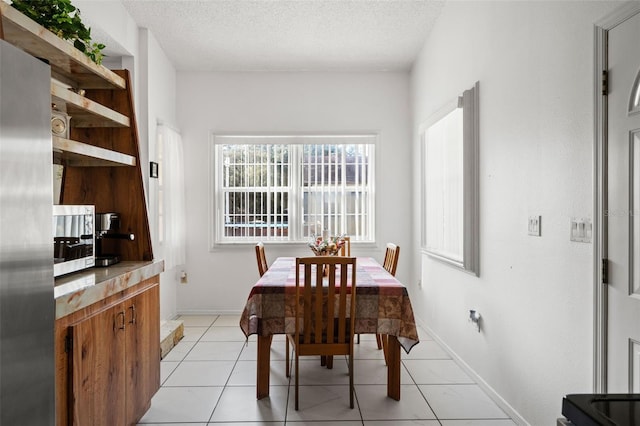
158	103
219	281
154	80
535	294
111	24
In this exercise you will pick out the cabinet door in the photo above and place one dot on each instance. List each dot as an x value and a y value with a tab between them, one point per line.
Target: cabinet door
142	351
98	374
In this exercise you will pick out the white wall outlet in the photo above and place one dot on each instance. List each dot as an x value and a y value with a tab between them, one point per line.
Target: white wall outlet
535	226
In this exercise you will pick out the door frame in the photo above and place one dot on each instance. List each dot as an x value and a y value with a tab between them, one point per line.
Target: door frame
600	226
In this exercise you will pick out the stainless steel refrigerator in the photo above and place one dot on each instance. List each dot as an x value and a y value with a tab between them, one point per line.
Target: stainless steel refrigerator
27	309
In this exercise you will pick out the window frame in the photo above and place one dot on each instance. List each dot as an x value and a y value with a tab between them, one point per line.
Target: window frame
296	192
160	191
469	261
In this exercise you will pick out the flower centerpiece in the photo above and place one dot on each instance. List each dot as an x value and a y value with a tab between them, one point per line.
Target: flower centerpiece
326	246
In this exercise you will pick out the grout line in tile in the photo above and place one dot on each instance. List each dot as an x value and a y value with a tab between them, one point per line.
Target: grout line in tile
355	396
226	383
429	405
291	381
185	357
421	393
479	418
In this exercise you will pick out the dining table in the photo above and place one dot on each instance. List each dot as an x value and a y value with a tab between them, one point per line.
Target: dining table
382	307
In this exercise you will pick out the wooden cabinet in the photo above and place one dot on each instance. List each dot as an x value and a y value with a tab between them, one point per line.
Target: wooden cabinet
97	356
142	350
111	352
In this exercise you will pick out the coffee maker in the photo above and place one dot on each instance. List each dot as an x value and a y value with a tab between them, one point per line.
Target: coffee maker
107	227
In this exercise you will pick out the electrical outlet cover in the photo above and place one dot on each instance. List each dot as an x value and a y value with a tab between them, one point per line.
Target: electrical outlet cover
535	226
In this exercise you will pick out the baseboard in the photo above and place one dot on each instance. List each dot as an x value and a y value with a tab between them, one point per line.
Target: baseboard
491	393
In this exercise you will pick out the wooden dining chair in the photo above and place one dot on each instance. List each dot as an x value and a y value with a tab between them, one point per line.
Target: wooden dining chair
390	263
344	251
346	248
391	258
261	258
262	268
324	313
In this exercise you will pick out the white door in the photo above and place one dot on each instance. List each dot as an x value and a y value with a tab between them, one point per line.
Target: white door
623	210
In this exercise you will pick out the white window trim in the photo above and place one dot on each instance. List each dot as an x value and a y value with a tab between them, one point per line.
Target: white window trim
295	232
470	262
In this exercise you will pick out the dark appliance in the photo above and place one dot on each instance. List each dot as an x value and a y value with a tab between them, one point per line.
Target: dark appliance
108	227
602	409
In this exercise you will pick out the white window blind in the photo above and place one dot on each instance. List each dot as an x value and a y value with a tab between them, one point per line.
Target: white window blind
171	189
288	188
444	161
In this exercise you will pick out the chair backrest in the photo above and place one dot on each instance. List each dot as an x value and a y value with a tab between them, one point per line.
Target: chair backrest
326	302
391	258
346	248
261	258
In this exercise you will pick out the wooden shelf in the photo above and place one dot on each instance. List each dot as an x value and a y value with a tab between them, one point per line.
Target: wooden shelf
78	154
84	112
102	152
67	63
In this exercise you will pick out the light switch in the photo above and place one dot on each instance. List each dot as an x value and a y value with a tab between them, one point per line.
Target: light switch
535	226
581	230
574	230
588	231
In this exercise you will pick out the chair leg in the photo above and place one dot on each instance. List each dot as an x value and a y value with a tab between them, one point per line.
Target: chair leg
287	365
329	362
358	340
297	376
379	341
351	380
385	348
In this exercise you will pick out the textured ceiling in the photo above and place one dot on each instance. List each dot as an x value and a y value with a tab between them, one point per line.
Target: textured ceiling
288	35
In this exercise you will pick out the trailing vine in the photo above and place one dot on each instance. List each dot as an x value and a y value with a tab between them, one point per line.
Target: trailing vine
63	19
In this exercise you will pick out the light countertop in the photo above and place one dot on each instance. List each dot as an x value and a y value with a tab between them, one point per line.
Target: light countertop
81	289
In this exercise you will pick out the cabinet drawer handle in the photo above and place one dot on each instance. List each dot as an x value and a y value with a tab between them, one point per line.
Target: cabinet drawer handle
132	308
115	325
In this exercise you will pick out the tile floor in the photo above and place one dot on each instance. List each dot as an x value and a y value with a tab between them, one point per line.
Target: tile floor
209	379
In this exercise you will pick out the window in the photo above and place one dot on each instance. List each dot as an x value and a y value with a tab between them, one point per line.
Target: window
171	203
289	188
450	183
160	158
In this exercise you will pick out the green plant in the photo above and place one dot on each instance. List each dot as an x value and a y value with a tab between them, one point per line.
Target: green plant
63	19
